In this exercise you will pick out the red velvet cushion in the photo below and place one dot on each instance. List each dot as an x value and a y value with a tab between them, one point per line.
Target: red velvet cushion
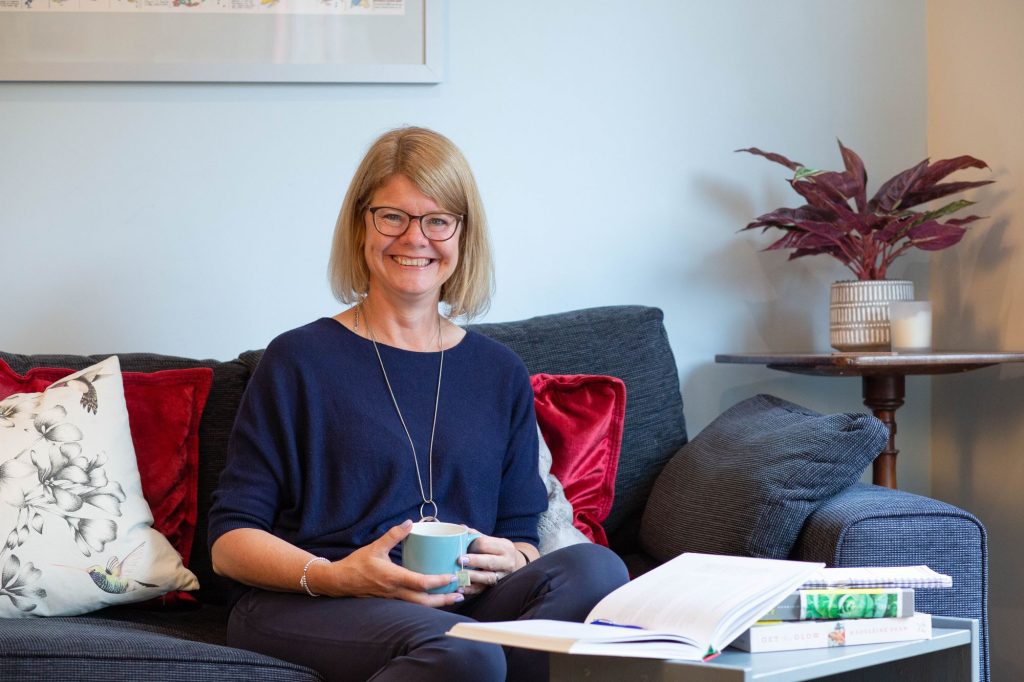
164	409
581	419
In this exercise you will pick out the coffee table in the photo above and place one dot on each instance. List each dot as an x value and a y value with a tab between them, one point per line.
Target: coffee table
951	655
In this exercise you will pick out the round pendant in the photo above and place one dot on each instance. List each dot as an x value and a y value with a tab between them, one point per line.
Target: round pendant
432	517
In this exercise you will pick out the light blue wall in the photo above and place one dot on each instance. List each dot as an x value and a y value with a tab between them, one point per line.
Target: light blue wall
195	219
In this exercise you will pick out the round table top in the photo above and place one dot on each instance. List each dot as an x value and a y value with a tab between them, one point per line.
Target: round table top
860	364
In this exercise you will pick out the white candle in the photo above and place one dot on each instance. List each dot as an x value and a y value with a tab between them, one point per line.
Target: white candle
910	325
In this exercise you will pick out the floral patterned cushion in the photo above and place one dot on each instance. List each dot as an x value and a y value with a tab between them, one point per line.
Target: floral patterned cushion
78	533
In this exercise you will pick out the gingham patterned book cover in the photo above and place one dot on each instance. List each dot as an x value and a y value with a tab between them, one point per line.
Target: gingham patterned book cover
879	576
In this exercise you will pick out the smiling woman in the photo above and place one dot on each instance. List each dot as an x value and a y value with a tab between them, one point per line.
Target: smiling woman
354	425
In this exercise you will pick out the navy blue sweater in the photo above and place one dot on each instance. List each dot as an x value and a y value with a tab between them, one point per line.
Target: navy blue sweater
319	458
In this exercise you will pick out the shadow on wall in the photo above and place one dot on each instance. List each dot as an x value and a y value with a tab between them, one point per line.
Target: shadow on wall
786	300
972	284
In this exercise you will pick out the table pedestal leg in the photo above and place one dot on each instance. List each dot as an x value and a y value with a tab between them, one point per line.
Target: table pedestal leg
883	394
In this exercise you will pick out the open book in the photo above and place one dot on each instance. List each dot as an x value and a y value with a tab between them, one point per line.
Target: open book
689	608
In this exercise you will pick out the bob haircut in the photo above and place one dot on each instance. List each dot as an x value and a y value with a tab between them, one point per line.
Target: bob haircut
440	171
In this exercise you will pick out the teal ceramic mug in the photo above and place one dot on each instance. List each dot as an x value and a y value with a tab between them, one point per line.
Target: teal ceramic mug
434	547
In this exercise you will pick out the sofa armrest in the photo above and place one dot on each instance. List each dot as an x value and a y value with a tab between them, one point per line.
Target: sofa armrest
867	525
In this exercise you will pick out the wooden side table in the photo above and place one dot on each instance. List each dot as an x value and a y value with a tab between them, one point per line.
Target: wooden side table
882	377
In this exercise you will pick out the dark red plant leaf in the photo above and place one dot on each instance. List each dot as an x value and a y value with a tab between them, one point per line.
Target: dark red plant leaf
789	240
964	221
830	231
935	236
858	176
818	242
896	228
944	167
820	197
937	191
771	156
828	251
838	184
873	222
890	195
781	217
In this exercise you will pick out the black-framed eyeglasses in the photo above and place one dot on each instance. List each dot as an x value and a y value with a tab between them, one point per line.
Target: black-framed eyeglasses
393	222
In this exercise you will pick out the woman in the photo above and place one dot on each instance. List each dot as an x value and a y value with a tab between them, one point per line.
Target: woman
353	426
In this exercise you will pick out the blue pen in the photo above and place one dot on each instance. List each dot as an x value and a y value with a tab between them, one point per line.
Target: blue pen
602	621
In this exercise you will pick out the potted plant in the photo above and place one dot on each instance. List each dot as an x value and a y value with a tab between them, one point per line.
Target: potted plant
867	235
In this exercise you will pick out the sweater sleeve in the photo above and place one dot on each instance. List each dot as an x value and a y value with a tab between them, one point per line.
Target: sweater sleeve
262	451
522	497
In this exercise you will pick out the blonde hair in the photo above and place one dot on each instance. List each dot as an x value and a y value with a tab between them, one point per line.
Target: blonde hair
440	171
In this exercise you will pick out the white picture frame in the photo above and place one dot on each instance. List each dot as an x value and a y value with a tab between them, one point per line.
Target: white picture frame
176	47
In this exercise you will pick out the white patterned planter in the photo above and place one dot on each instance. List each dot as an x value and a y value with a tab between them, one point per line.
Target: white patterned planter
859	312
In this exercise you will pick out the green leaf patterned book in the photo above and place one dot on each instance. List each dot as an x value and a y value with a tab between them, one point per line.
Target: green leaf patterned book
842	603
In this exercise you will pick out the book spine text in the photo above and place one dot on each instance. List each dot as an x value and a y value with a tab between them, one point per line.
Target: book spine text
821	634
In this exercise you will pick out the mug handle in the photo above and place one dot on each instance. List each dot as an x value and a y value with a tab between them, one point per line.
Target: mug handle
470	537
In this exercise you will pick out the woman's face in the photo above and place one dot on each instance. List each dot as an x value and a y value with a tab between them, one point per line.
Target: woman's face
410	265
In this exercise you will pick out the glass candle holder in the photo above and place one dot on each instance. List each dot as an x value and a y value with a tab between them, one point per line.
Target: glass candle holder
910	326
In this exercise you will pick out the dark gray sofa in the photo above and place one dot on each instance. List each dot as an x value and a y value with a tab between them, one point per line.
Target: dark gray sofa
865	525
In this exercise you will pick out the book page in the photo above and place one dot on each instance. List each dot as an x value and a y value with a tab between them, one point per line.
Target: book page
706	597
579	638
880	576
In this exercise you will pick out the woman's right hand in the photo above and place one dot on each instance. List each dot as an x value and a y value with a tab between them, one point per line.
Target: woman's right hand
369	572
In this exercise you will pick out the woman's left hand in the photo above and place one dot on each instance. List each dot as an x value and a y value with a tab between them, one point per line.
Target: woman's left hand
491	560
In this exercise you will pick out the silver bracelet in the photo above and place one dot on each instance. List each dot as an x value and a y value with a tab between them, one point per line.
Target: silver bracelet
303	583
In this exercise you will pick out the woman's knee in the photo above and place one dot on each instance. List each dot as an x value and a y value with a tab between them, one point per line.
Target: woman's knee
467	660
595	566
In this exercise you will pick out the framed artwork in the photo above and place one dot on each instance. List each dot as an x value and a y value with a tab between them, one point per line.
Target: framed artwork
254	41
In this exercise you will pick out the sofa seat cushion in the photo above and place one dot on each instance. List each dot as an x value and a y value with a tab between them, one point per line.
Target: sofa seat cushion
746	483
108	650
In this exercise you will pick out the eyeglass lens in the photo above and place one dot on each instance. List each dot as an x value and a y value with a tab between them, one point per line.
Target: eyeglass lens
394	222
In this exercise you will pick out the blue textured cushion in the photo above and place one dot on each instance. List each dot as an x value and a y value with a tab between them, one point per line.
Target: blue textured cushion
746	483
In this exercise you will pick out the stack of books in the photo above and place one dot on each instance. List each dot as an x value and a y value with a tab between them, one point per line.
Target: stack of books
845	607
693	606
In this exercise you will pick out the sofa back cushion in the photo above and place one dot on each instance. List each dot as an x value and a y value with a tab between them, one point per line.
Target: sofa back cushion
628	342
229	379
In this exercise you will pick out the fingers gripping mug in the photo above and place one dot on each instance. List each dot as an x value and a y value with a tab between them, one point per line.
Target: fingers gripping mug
434	547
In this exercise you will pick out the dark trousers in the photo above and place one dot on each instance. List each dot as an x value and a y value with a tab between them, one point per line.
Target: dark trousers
390	639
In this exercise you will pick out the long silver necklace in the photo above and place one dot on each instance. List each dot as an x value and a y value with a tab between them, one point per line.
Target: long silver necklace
427	495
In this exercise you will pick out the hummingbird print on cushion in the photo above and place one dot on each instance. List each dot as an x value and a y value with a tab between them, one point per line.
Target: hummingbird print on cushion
70	492
118	577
